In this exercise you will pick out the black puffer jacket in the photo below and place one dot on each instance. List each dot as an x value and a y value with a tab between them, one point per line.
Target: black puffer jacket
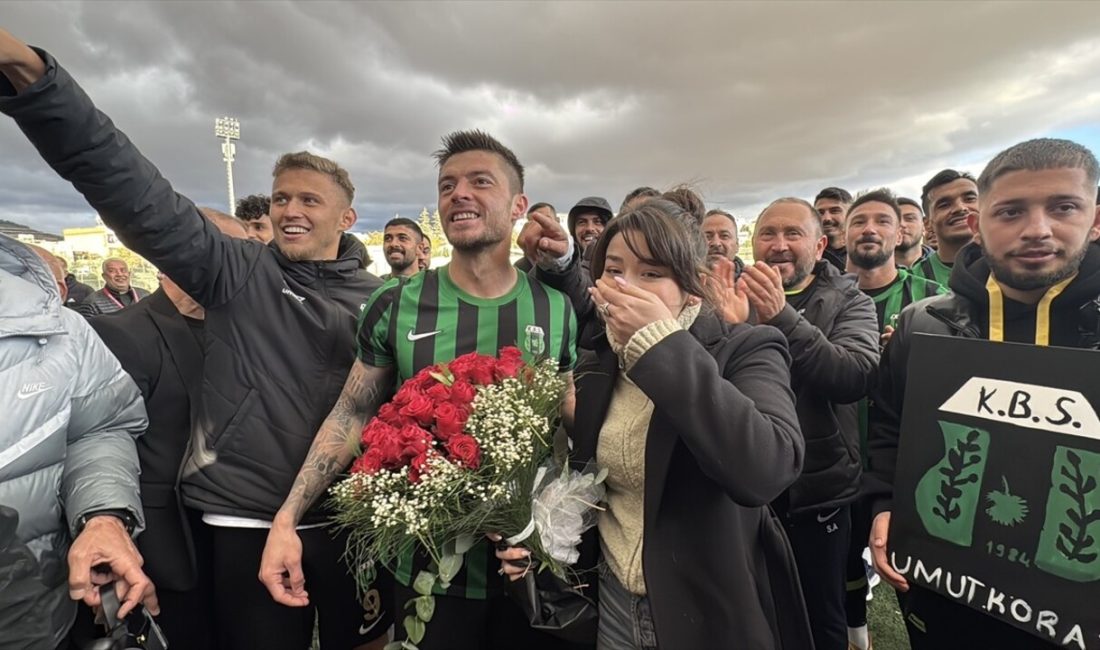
279	335
98	302
1074	323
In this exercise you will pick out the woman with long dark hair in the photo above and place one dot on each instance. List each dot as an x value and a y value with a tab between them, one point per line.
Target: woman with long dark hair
694	420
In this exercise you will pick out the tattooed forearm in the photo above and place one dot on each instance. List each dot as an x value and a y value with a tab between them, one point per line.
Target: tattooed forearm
334	446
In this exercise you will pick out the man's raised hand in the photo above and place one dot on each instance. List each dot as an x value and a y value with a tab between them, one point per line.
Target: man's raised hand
18	62
543	240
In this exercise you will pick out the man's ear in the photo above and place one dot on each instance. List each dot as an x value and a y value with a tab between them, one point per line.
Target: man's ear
519	206
348	219
972	222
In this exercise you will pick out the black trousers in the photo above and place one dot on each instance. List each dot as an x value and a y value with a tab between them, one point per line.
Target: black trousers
247	618
496	623
936	623
856	601
820	543
230	609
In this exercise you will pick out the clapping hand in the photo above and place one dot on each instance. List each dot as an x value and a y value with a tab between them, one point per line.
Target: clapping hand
731	304
764	287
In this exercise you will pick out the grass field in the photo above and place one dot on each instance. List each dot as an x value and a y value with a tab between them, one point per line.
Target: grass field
884	620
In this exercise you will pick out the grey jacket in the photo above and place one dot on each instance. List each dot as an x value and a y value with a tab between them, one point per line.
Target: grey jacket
70	416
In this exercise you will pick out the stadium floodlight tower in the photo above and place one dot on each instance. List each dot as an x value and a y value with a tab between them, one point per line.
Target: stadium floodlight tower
228	129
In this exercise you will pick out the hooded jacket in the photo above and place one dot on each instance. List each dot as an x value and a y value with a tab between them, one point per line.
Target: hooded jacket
66	446
279	334
1074	322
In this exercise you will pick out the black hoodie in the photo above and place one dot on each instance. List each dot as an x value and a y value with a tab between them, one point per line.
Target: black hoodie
1074	323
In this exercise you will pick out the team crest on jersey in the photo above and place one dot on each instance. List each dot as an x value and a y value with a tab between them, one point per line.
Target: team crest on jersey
535	341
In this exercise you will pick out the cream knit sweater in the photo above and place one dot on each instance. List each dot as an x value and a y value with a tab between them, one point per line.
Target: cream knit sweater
621	450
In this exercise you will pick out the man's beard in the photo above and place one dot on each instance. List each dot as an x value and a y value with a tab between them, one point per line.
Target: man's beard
868	261
402	264
1032	281
904	247
485	241
801	271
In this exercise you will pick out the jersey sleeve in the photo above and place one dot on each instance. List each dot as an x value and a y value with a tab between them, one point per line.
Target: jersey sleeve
373	341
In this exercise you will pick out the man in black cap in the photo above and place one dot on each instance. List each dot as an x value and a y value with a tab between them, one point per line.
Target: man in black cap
587	220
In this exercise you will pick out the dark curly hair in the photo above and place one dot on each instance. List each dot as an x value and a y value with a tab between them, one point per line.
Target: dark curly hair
252	207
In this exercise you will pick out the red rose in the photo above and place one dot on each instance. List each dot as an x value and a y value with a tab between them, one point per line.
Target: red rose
414	441
389	451
406	394
388	414
463	393
368	463
511	352
508	368
481	372
422	380
464	449
419	409
450	420
438	392
462	366
417	467
375	431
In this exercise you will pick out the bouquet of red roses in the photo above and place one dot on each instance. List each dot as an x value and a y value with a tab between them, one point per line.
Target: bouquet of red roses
464	449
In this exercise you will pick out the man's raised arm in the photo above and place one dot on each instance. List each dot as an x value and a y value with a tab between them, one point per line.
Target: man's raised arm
332	451
83	146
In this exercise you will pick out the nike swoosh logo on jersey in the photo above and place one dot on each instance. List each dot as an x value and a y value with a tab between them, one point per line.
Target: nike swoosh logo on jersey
413	336
823	518
364	629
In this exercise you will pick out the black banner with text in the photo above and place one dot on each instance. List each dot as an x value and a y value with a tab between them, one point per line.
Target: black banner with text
996	498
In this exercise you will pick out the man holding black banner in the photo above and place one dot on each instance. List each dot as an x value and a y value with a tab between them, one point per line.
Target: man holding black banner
1032	275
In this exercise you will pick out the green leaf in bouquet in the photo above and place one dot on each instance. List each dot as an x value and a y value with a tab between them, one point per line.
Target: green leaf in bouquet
425	608
449	566
414	628
444	376
464	543
394	645
601	476
424	583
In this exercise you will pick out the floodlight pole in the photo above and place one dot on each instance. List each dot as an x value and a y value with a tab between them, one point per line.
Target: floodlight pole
229	129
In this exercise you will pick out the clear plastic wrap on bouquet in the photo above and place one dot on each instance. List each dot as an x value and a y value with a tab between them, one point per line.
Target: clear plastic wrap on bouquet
565	504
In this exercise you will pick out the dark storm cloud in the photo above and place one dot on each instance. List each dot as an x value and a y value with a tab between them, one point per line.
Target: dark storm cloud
749	101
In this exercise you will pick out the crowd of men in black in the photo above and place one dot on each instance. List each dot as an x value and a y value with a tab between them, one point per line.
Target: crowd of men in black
770	394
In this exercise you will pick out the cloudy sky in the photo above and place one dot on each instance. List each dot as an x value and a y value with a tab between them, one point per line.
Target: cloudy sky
746	101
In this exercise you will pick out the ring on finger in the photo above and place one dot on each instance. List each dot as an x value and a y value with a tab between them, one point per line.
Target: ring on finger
604	309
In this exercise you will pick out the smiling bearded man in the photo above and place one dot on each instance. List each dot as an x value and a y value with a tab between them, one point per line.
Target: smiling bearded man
478	302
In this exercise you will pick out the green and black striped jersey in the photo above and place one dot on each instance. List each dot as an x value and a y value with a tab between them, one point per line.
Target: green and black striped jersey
906	289
933	268
424	320
890	300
